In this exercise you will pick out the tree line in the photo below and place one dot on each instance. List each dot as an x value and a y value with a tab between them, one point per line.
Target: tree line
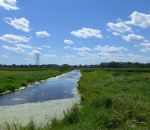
101	65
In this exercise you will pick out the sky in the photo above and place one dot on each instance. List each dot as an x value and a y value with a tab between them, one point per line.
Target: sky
74	31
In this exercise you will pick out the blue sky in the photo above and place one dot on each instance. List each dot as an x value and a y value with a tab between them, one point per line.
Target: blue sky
74	31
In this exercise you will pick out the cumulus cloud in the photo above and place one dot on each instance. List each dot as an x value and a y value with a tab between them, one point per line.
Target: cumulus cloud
34	51
13	49
145	47
10	38
82	49
46	46
123	58
99	50
136	18
42	34
68	42
133	38
67	47
19	23
109	49
106	53
18	48
119	27
8	4
116	34
87	33
139	19
23	46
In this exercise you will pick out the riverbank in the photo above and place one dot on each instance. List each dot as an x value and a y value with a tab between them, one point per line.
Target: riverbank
13	79
114	99
40	113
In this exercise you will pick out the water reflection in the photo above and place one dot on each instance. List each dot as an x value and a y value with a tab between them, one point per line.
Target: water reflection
55	88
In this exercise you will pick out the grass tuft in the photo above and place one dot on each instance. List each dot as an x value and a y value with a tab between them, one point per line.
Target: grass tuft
72	116
102	102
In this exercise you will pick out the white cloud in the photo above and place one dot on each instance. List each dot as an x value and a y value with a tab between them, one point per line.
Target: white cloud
109	49
82	49
13	49
139	19
34	51
9	4
116	34
14	38
123	58
20	23
119	27
145	47
68	42
98	57
24	46
67	47
46	46
42	34
18	48
133	38
87	33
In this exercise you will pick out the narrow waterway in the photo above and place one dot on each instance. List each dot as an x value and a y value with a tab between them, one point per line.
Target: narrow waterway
41	101
59	87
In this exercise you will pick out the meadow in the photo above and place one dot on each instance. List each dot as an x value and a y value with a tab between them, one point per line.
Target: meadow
111	99
14	78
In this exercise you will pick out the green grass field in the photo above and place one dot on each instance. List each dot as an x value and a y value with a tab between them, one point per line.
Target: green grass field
13	78
111	99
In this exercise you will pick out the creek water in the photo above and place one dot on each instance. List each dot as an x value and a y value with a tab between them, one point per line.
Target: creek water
60	87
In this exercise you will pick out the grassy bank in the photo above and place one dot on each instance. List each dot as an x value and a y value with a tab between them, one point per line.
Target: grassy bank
12	78
111	99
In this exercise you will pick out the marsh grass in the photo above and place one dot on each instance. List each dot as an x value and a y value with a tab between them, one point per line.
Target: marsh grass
72	116
111	99
11	79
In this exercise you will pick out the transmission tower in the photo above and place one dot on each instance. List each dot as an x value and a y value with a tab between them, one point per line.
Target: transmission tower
37	58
